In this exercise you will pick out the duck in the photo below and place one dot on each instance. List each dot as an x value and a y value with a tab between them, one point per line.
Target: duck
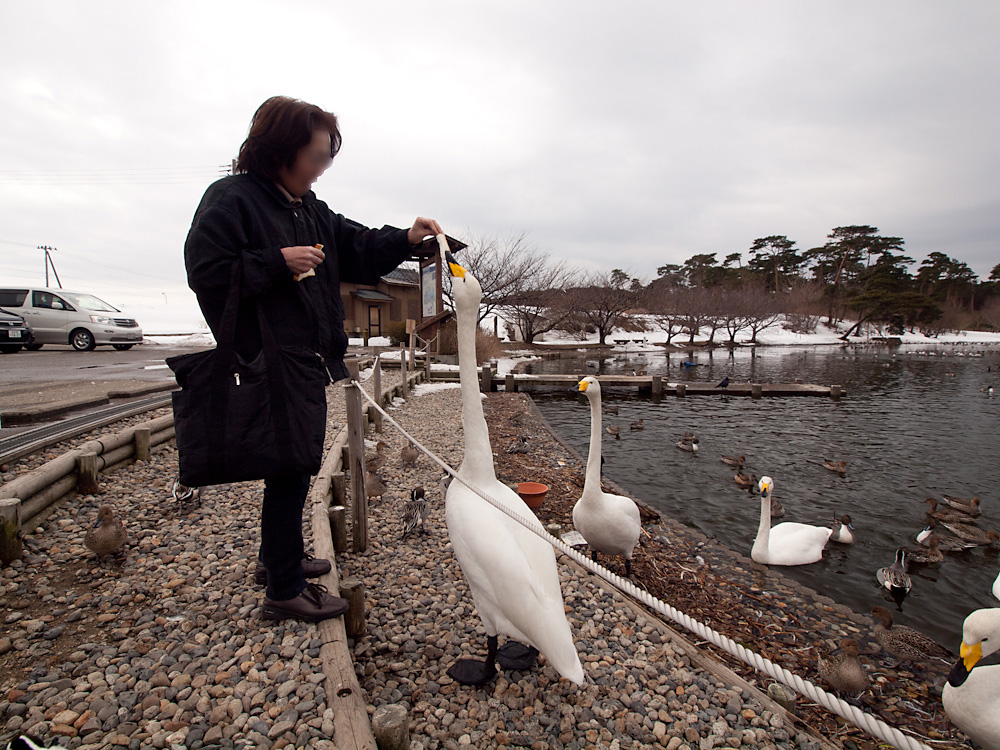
973	534
838	466
893	578
777	511
183	494
945	543
107	535
637	425
521	445
610	523
691	446
968	506
690	437
843	671
736	461
928	555
748	481
611	409
415	511
903	642
971	695
374	486
786	543
612	430
409	454
510	569
377	461
842	530
944	514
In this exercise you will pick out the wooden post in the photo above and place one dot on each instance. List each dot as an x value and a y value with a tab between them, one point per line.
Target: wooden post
402	371
486	379
681	390
142	435
356	464
411	330
835	392
86	473
375	413
338	487
338	527
10	530
427	362
657	388
391	727
353	590
756	390
508	383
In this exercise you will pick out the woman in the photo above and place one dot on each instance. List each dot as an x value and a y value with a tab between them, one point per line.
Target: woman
292	252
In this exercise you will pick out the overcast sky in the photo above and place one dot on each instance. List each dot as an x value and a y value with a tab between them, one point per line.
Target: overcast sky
621	135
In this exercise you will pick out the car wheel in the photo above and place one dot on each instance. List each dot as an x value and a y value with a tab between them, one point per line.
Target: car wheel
123	347
82	340
10	348
33	347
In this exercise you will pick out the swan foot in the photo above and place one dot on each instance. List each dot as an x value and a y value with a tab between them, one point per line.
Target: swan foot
473	671
517	656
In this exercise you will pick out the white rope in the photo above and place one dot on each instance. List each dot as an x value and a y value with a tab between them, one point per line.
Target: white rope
832	703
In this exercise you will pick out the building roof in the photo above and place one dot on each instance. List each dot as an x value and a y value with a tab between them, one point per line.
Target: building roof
372	296
404	276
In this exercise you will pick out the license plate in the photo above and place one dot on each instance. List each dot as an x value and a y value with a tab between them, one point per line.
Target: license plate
15	334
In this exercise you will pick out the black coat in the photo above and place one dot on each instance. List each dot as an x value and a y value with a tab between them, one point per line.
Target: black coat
244	219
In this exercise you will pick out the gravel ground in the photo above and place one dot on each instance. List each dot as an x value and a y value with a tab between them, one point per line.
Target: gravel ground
162	646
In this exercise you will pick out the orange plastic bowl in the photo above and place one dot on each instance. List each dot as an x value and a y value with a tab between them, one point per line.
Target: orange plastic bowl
533	493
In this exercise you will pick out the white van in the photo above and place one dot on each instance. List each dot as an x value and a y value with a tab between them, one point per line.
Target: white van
58	316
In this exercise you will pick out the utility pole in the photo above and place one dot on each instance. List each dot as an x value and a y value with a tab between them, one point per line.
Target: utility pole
48	262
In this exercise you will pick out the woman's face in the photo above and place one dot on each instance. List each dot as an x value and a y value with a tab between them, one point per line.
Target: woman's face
310	163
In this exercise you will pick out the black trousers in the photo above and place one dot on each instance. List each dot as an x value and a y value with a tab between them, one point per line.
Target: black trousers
281	544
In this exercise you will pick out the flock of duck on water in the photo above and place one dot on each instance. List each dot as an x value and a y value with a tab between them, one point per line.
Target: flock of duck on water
512	575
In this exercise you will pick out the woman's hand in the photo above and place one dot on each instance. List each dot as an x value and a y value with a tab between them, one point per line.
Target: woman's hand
302	259
421	228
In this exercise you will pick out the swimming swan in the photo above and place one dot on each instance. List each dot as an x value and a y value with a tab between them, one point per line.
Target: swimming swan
511	571
786	543
609	523
971	696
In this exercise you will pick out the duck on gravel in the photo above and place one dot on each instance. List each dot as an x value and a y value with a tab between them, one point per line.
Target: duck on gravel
184	494
107	535
903	642
610	523
843	670
521	445
786	543
409	454
415	512
971	696
511	571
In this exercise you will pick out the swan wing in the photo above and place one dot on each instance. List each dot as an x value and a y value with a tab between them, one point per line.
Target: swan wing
610	523
797	543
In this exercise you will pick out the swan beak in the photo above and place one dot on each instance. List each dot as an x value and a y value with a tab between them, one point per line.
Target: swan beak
971	654
581	387
453	266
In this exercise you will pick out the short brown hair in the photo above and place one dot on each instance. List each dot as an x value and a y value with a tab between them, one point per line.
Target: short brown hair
279	128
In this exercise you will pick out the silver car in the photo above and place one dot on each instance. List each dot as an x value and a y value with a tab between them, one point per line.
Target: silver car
58	316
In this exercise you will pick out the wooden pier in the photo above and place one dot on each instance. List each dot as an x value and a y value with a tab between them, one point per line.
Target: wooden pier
653	385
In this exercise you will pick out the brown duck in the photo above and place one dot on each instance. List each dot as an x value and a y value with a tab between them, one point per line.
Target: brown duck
906	644
107	535
843	671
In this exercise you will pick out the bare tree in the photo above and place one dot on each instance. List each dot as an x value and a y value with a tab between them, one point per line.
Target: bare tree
604	299
541	305
506	266
762	310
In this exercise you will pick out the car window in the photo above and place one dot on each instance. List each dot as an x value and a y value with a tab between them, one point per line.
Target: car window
50	301
12	297
90	302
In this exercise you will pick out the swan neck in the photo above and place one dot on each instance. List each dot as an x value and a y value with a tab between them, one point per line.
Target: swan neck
764	530
592	482
478	460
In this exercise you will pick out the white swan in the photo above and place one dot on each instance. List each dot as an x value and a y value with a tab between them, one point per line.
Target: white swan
971	697
511	571
786	543
609	523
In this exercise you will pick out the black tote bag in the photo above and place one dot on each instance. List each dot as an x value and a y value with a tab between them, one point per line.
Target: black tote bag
238	420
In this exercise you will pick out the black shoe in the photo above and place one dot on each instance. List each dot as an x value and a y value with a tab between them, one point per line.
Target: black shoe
315	603
313	567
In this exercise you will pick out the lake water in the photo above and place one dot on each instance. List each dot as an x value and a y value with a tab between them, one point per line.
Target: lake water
915	424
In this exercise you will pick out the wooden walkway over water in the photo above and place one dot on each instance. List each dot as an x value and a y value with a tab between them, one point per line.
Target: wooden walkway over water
653	385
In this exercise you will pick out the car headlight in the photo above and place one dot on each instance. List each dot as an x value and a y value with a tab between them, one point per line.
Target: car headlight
101	319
